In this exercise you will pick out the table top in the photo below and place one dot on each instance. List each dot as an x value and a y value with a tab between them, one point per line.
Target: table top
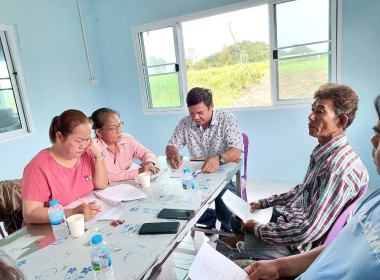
134	256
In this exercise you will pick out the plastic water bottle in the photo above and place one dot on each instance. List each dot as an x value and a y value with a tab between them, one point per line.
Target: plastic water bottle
101	259
188	185
58	220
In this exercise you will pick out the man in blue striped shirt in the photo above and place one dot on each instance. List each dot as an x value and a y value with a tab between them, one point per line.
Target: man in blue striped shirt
302	216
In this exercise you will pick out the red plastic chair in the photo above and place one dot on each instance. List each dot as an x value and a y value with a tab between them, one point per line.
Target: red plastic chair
244	177
340	222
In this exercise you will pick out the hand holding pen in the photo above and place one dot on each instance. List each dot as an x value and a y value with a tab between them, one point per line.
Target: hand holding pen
89	210
176	161
148	168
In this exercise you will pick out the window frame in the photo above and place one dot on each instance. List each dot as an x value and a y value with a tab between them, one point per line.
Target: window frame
175	23
18	85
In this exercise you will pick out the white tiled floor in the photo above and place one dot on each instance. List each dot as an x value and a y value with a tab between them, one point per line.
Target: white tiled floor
179	262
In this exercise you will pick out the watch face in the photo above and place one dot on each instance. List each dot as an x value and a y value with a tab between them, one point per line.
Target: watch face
221	160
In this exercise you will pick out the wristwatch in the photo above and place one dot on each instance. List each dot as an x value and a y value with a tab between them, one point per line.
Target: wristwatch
102	155
222	160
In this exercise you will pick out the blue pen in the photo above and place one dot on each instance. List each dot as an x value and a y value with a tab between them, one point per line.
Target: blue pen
181	157
142	165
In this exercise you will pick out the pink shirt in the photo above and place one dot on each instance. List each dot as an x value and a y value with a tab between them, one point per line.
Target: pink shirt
44	179
127	150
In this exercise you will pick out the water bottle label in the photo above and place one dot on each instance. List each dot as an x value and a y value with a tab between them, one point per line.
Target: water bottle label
57	218
102	262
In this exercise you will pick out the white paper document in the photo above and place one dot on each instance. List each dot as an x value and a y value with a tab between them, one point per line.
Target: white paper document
154	176
108	211
241	208
122	192
209	264
192	165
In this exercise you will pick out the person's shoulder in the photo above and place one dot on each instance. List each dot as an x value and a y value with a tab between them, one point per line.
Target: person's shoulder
185	121
224	116
42	156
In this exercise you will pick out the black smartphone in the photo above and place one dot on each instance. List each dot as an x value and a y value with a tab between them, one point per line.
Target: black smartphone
159	228
180	214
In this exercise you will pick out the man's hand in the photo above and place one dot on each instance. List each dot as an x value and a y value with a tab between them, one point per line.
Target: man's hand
262	270
248	226
255	205
175	159
211	165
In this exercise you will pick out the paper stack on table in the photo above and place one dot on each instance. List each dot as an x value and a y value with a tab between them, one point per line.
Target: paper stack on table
122	192
241	208
209	264
192	165
109	199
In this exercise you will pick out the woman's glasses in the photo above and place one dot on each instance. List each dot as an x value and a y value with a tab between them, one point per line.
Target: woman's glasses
115	128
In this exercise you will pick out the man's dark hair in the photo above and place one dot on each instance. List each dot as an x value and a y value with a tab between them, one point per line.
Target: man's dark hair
377	105
344	98
198	95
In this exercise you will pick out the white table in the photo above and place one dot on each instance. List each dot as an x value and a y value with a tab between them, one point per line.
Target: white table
133	256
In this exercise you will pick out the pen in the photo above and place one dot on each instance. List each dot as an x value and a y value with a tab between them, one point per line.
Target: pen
181	157
85	203
197	171
142	165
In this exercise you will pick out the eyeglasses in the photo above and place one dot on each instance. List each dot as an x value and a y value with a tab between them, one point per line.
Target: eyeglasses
114	128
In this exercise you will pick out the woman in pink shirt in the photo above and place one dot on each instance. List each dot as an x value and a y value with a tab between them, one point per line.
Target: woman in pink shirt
120	148
70	169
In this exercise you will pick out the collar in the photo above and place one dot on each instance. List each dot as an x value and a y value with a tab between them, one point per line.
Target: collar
319	151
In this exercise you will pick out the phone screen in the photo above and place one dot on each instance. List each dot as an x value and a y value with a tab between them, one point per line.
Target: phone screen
181	214
159	228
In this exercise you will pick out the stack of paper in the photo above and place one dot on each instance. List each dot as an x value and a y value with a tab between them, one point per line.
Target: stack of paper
209	264
242	209
123	192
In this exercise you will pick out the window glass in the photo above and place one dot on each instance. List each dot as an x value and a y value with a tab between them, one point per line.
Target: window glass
229	54
302	21
160	68
300	77
304	48
9	114
269	54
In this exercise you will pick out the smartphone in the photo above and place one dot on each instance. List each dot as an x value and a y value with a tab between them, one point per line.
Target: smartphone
159	228
180	214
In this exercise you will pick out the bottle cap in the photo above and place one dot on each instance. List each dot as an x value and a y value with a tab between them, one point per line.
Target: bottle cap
186	170
53	202
96	239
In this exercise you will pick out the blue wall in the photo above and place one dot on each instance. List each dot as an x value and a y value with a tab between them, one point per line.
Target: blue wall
55	67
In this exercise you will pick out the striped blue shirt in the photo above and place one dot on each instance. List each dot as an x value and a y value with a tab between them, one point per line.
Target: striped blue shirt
334	177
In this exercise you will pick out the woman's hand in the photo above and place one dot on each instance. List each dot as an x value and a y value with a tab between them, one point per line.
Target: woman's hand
94	148
89	210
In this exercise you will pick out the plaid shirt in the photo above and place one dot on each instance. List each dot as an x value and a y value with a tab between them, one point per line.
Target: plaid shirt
334	177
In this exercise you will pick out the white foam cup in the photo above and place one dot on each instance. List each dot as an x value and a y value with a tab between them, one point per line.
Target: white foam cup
143	179
76	224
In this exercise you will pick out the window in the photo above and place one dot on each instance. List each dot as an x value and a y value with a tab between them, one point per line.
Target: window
265	54
13	99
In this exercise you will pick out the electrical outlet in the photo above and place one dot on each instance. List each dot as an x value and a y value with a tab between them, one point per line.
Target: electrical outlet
93	82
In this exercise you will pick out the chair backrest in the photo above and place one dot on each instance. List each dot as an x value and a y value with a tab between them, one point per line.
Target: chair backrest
11	204
246	145
342	218
244	177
